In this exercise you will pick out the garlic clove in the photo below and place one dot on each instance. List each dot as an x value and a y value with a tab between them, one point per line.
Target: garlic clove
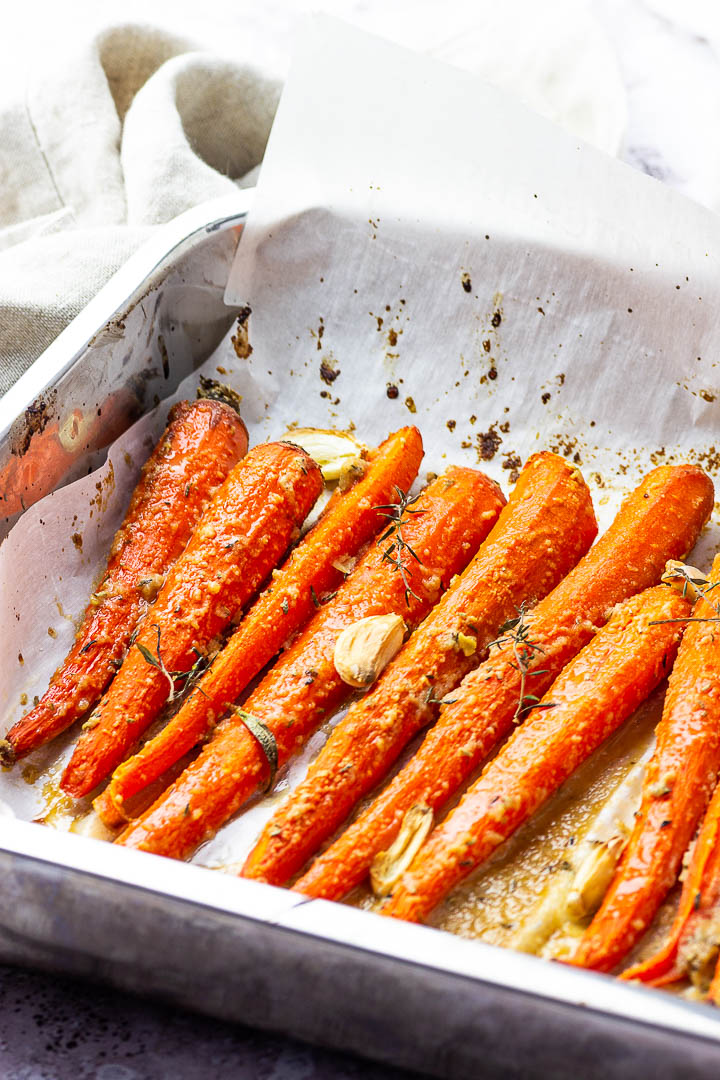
93	826
683	578
337	453
389	866
150	586
364	649
593	879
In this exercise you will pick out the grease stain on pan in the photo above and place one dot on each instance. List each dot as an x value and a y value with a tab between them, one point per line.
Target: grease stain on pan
33	422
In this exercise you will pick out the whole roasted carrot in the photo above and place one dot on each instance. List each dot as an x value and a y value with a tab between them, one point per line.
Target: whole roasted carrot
242	534
678	784
315	567
432	539
661	519
693	940
201	443
544	529
598	690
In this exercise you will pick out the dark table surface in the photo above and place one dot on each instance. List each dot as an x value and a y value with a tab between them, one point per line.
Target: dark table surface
57	1028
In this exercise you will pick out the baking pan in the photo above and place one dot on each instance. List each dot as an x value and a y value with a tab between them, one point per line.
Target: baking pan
241	950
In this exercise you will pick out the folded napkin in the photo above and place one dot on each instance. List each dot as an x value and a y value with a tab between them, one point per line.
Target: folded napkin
130	131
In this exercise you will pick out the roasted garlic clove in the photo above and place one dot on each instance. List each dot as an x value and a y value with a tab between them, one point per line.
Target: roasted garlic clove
365	648
683	578
389	866
594	876
150	586
337	453
93	826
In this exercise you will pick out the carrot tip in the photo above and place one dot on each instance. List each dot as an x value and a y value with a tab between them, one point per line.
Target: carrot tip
7	753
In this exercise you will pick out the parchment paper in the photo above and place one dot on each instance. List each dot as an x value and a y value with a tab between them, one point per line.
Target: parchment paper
422	249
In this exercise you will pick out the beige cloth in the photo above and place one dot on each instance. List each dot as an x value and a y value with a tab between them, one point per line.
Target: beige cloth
130	131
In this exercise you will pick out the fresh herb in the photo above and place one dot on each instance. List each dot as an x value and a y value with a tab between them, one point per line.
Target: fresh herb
315	600
264	736
397	514
516	634
189	677
431	699
89	645
700	586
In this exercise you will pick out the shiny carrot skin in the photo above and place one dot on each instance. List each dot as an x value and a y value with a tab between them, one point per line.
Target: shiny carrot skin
697	911
450	520
660	520
350	520
547	525
678	784
593	695
242	535
202	442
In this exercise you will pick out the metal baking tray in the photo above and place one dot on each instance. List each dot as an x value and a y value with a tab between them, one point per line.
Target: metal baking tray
240	950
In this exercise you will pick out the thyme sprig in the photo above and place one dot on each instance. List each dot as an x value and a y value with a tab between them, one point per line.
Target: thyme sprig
516	633
397	514
701	587
189	677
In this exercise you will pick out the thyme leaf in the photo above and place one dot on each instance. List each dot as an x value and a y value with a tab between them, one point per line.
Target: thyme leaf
516	634
264	736
398	514
189	677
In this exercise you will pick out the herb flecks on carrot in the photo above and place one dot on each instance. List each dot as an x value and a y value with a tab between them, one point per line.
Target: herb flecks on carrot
202	442
660	520
547	525
453	516
678	784
314	569
594	694
242	535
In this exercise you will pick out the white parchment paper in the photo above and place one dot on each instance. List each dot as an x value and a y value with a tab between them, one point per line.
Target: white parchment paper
422	249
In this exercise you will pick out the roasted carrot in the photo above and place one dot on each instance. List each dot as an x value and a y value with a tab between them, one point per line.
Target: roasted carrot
661	519
314	568
242	534
201	443
678	784
598	690
693	939
544	529
443	529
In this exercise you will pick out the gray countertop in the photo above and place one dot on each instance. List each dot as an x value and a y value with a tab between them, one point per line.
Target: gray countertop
63	1029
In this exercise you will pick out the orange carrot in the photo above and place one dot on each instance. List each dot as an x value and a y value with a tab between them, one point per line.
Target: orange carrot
542	532
313	569
443	529
241	536
598	690
202	442
680	778
693	936
661	519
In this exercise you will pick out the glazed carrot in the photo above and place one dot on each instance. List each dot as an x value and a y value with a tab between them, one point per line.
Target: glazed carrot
544	529
661	519
678	784
242	534
313	569
693	940
201	443
593	695
448	522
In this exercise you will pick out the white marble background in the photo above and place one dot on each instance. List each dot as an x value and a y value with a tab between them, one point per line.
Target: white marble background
665	54
647	79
